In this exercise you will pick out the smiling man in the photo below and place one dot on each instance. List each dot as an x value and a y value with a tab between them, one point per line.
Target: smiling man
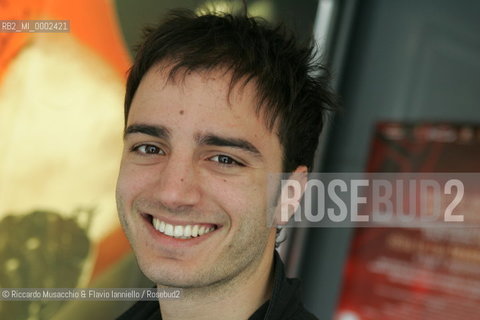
214	104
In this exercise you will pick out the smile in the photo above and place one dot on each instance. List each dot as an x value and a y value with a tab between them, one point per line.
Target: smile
181	231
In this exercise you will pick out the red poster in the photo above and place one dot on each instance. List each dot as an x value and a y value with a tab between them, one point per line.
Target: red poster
416	274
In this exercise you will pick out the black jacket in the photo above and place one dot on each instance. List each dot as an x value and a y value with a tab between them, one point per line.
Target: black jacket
285	303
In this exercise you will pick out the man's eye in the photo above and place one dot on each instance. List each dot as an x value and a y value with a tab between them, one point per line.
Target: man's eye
225	160
148	149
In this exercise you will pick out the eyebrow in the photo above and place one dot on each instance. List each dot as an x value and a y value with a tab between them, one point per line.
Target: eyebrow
215	140
151	130
162	132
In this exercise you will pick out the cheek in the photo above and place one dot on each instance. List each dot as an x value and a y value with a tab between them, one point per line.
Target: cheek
131	181
240	199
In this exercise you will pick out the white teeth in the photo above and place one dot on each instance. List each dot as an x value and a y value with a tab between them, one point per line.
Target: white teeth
187	232
195	231
180	231
168	229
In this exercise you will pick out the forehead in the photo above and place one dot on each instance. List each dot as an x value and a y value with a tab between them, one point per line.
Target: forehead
204	92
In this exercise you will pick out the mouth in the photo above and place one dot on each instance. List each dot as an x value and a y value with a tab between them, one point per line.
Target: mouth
182	231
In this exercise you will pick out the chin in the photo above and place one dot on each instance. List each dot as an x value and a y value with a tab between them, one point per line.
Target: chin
167	273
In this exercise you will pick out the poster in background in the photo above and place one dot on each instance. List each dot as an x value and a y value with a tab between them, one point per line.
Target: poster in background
416	274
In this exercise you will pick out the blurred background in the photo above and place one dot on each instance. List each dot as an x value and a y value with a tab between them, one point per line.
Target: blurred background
399	66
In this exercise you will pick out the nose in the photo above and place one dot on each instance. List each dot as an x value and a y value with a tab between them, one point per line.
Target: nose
177	187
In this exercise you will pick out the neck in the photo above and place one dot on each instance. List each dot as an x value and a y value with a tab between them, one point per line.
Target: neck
237	298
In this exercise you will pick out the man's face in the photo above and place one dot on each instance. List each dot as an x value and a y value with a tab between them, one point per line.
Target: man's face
192	187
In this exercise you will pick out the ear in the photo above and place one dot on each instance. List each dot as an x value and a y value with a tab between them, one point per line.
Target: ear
291	192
